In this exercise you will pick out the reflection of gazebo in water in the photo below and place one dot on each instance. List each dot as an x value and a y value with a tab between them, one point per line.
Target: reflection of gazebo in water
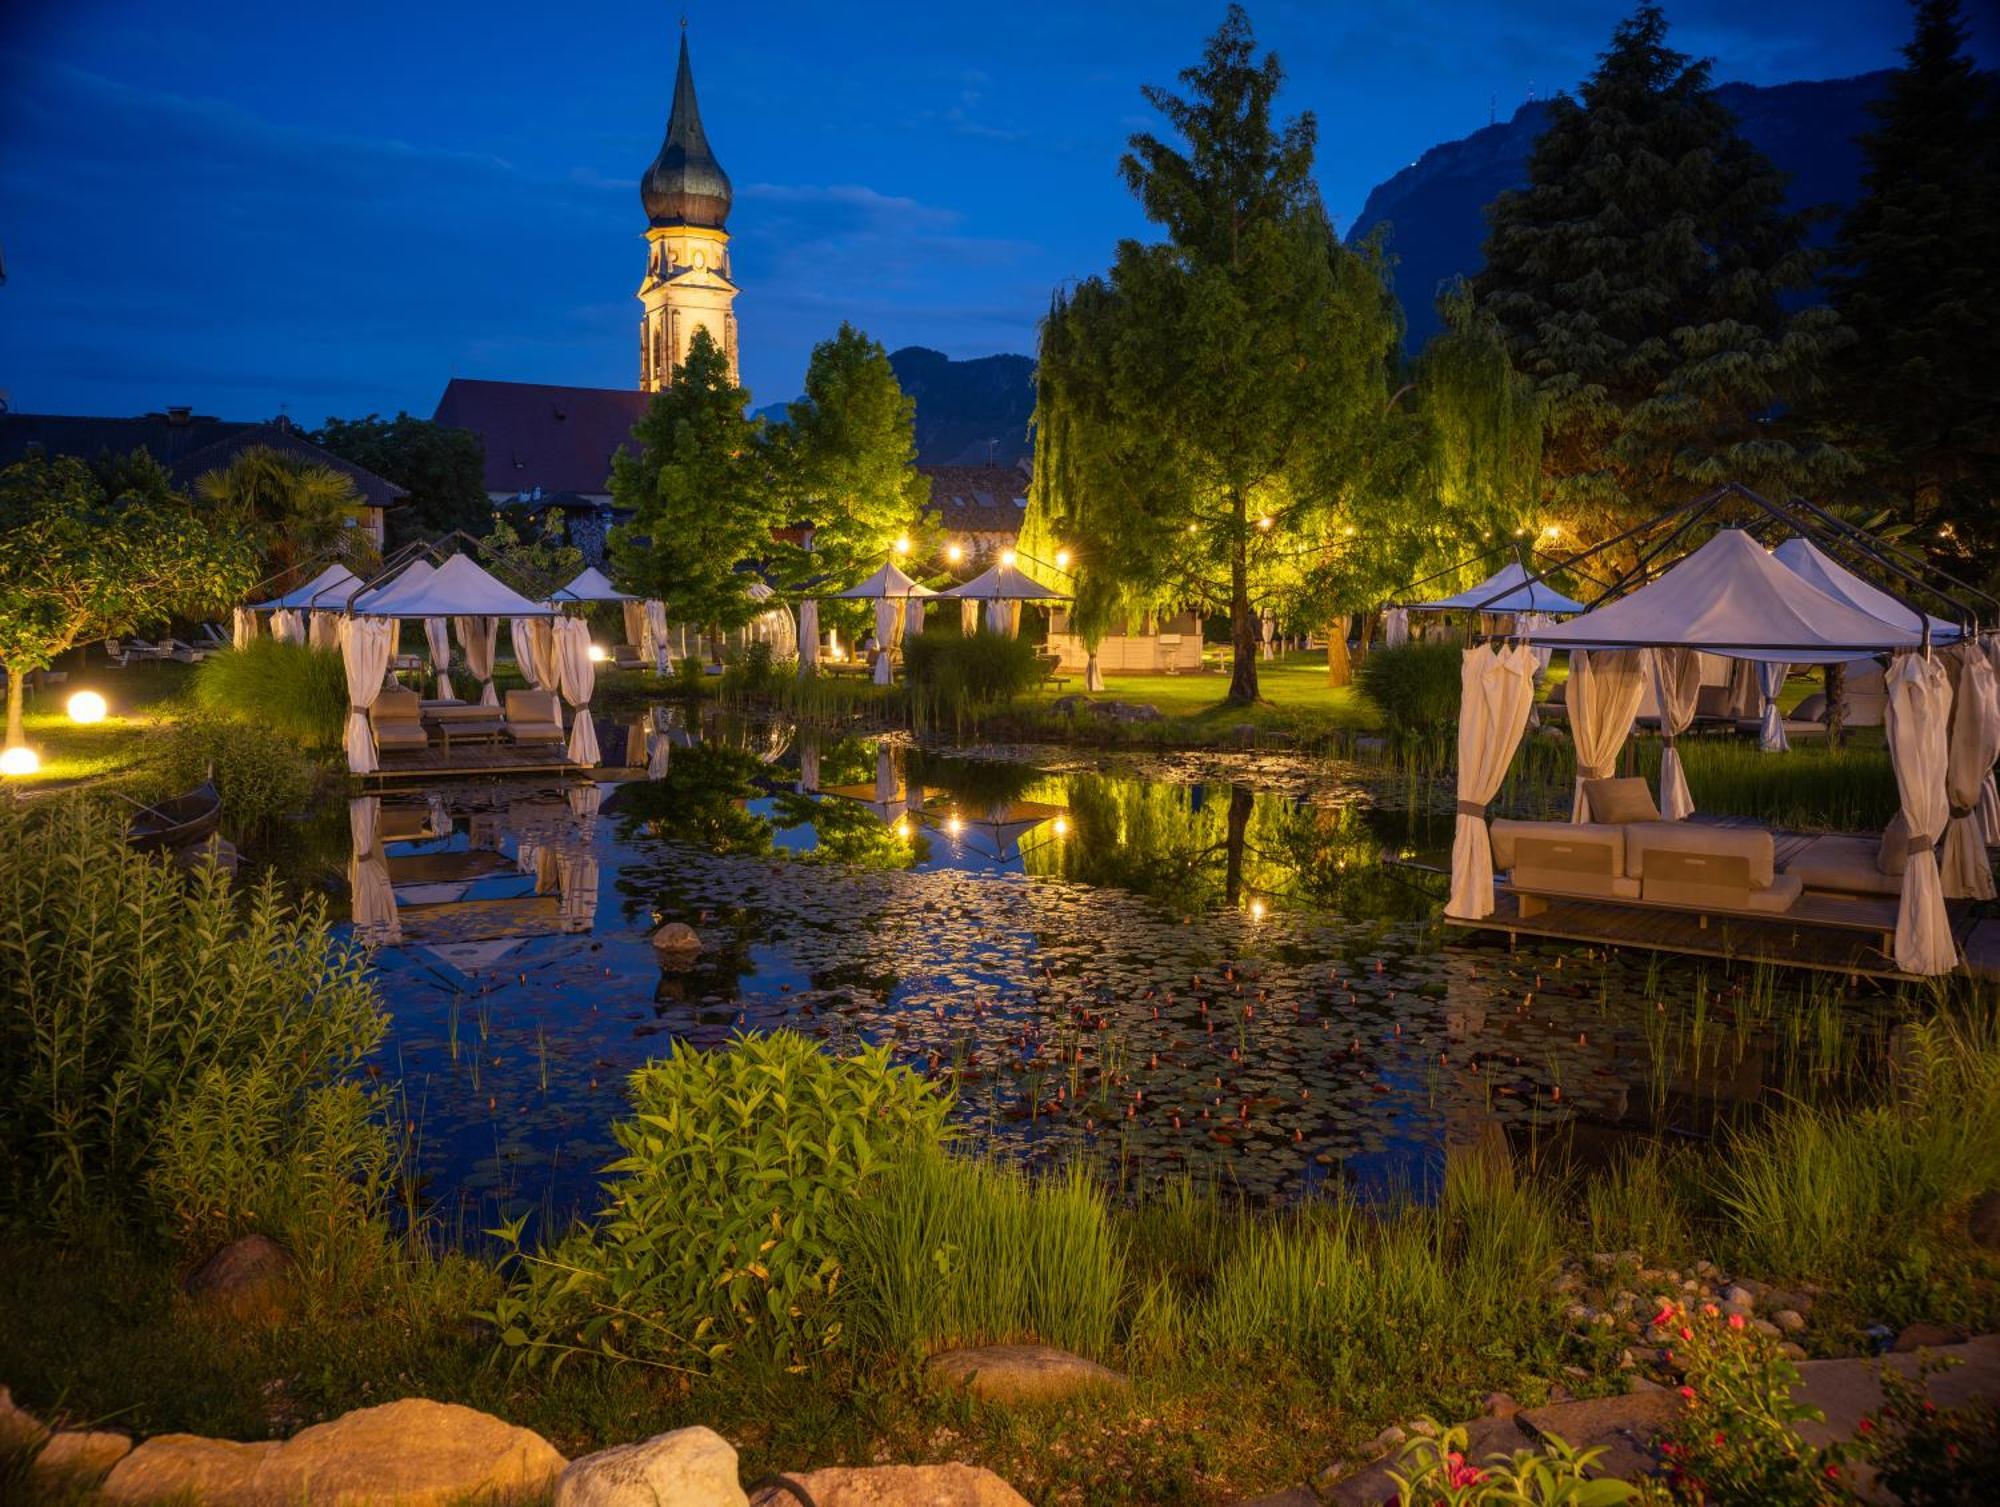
442	894
886	796
999	831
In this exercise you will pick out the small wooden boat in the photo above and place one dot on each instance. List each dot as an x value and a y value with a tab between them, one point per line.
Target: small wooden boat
176	822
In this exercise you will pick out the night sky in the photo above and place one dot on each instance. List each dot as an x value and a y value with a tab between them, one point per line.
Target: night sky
335	208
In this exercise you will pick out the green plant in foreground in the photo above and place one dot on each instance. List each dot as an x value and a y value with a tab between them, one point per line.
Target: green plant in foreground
262	776
1928	1456
1435	1473
170	1052
731	1213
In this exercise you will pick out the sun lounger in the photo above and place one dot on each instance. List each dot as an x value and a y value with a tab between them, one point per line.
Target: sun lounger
187	654
532	717
1684	865
397	718
627	657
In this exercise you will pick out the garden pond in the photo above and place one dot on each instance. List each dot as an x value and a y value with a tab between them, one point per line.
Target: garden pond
1225	965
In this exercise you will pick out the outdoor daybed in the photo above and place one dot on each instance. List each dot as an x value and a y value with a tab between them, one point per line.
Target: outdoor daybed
397	718
533	717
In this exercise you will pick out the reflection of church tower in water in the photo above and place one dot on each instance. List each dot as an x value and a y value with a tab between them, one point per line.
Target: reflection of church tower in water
687	288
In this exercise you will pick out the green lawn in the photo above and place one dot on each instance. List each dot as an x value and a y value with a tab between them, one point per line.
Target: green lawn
1293	688
142	699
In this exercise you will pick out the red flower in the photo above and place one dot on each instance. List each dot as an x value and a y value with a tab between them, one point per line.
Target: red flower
1736	1321
1663	1318
1688	1393
1865	1426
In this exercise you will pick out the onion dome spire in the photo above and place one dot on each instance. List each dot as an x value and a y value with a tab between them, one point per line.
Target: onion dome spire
685	185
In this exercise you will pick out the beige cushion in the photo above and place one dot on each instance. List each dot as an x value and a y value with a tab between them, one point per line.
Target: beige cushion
534	732
532	707
394	734
1573	858
1892	857
1778	895
1507	835
1617	802
1752	844
396	706
1846	865
1812	709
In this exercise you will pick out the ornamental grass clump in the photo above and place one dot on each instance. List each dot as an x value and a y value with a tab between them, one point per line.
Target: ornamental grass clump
291	689
1416	688
730	1223
174	1054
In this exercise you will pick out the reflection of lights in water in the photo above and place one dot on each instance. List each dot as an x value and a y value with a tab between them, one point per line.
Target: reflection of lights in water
1257	910
87	706
20	760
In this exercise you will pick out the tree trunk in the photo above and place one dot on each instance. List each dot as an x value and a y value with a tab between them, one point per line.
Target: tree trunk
1836	703
1242	626
1339	671
17	684
1241	800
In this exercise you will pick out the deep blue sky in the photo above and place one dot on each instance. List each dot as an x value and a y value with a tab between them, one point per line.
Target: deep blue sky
337	207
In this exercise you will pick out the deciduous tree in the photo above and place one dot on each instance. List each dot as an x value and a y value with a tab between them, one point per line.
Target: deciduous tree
442	468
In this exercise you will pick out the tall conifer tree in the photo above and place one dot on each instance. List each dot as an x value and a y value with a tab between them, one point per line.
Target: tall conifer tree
1920	388
1641	277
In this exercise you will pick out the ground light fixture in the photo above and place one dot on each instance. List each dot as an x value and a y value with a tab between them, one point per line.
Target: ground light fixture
19	760
597	654
86	707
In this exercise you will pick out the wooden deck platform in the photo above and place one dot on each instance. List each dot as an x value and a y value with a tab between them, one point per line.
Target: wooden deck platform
399	766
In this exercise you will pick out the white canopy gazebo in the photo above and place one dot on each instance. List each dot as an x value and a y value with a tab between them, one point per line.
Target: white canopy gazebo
1728	597
1002	588
459	588
645	620
325	594
1510	589
891	591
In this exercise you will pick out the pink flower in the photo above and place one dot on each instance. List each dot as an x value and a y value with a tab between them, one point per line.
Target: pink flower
1686	1333
1663	1318
1459	1473
1688	1393
1736	1321
1710	1309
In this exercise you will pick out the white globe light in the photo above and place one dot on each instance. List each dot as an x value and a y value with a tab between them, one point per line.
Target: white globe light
20	760
597	654
87	706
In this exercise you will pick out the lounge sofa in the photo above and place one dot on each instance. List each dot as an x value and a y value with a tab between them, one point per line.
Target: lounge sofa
1683	864
533	717
398	720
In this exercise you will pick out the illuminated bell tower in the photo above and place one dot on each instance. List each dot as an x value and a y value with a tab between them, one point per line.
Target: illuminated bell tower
687	288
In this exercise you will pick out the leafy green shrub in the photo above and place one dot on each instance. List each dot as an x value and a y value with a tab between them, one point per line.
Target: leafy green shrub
951	1251
957	673
262	776
1414	686
170	1053
732	1211
288	688
1432	1471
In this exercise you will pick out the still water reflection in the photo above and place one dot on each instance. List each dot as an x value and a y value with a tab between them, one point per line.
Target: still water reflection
1227	971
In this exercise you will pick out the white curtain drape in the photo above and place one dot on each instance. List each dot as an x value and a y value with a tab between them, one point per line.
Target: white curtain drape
1919	710
885	638
1771	731
1395	627
1267	637
535	653
1989	791
576	886
1093	672
808	763
659	746
1974	742
578	678
1605	689
656	626
1676	690
368	883
968	617
479	636
242	627
913	620
323	630
1745	698
437	637
1496	688
808	636
999	617
364	650
288	626
635	623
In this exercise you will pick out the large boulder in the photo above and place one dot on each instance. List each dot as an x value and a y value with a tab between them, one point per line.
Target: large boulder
898	1486
693	1467
248	1279
184	1468
412	1453
677	937
80	1457
1022	1373
20	1430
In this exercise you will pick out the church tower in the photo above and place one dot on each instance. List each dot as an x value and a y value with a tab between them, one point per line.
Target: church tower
686	194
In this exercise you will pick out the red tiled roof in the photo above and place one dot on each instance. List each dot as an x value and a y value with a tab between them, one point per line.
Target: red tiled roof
560	439
978	499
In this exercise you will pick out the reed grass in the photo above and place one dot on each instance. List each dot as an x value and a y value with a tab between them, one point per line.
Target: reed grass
1809	788
950	1251
288	688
